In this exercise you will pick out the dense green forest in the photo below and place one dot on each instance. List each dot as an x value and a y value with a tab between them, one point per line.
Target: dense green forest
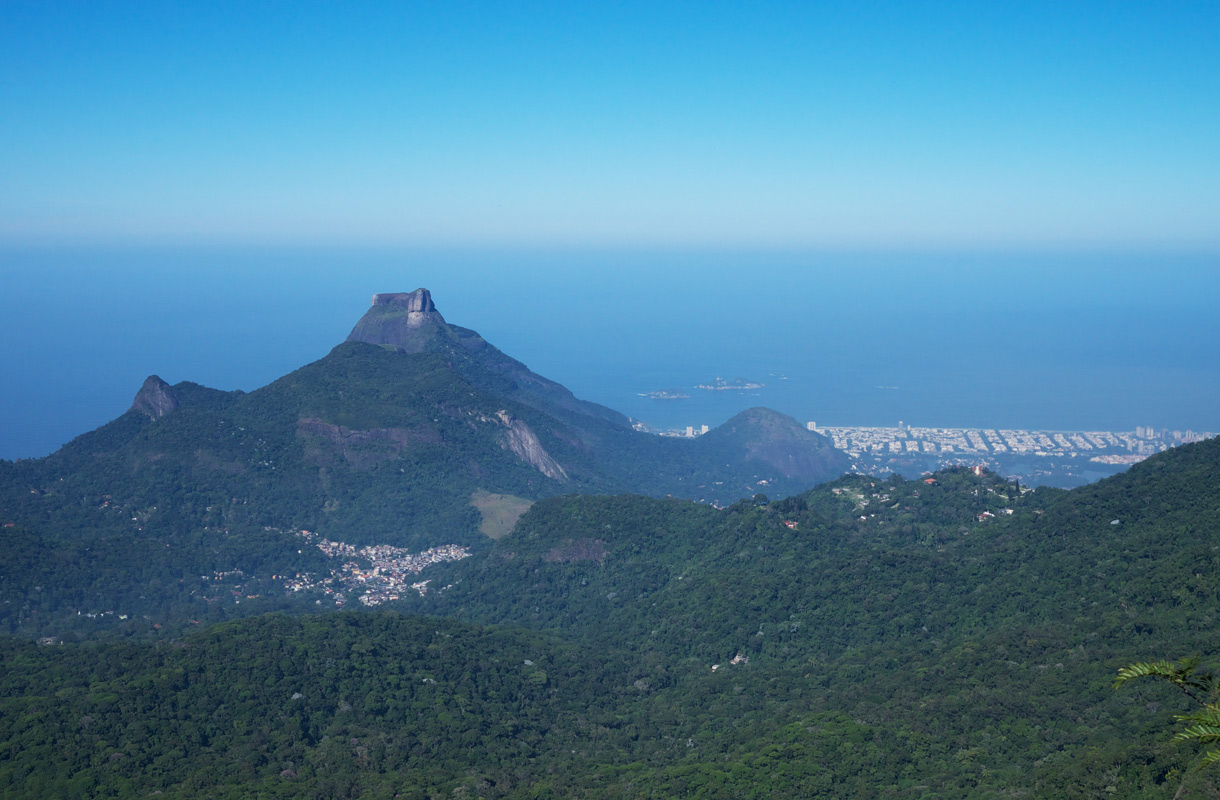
956	636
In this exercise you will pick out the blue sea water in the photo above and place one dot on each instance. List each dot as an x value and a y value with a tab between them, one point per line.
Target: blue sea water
1043	341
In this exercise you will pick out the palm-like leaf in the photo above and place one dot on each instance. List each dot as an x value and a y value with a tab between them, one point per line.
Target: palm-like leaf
1200	733
1180	673
1203	726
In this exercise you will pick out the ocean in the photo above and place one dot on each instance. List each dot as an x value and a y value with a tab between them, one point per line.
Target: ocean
1033	340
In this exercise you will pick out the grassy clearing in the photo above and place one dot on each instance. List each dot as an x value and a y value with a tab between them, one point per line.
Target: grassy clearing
500	511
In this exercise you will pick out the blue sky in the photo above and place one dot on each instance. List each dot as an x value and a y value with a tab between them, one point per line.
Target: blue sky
1066	126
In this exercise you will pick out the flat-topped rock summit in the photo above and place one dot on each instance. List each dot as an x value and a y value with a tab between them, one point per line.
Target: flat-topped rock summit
405	320
419	300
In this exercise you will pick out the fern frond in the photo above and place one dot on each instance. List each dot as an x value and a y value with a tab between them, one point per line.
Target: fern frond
1199	733
1180	673
1152	669
1204	725
1210	715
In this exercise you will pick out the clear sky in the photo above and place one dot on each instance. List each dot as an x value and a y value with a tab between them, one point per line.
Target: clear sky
1063	125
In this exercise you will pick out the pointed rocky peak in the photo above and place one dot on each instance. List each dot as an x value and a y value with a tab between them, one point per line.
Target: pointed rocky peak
156	398
406	320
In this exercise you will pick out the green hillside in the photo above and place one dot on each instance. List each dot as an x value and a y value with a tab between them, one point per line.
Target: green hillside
899	639
925	608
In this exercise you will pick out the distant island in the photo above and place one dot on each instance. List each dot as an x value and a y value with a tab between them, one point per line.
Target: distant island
720	384
666	394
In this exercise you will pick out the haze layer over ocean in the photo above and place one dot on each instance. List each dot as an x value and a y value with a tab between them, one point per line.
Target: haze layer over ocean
1044	341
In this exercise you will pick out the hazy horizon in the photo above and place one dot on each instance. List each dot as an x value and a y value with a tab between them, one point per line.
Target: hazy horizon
952	340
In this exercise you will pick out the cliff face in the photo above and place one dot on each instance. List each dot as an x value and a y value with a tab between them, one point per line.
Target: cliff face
524	443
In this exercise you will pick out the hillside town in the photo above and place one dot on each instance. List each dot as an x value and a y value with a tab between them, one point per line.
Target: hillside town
373	574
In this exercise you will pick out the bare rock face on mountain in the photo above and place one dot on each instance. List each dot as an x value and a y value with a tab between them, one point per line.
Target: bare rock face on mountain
524	443
416	302
156	398
408	321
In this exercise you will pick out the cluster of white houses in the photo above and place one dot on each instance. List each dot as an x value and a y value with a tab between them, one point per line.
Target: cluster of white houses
373	574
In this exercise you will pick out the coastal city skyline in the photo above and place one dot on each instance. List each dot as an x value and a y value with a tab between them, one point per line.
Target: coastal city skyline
1066	457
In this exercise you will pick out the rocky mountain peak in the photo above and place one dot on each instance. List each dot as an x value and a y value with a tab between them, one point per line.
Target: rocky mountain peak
419	301
406	320
156	398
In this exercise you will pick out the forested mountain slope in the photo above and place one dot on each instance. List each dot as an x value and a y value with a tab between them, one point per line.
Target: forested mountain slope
924	606
905	639
393	438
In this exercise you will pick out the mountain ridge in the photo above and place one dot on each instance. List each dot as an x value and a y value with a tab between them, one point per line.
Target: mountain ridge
370	445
